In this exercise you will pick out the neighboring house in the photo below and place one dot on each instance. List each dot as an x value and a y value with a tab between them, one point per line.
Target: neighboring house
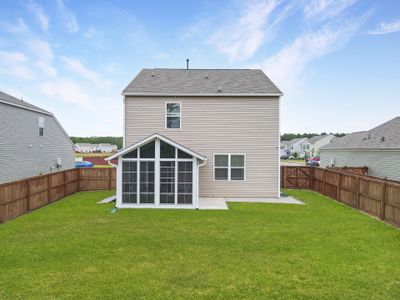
301	146
32	142
316	142
85	147
105	147
285	151
378	149
198	133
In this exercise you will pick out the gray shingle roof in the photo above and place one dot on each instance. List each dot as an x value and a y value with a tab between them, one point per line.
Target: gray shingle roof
316	138
201	82
385	136
18	102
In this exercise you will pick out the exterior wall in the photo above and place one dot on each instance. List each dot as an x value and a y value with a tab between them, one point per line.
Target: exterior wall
217	125
19	130
381	163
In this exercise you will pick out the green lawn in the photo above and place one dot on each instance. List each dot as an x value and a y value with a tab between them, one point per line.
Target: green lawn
76	248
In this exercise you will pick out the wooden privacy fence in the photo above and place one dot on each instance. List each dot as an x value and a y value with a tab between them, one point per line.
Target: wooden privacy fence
23	196
375	196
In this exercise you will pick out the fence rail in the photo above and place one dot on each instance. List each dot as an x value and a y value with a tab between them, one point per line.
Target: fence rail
375	196
23	196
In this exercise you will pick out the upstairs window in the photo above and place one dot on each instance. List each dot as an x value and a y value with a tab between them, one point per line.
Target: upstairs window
173	115
41	126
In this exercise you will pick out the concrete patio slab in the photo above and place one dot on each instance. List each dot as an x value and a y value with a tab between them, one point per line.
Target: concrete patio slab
283	200
212	203
108	200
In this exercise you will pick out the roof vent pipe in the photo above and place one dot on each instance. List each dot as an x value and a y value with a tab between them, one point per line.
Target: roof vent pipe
187	63
219	89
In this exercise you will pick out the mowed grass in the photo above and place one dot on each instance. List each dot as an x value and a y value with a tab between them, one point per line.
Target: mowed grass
77	249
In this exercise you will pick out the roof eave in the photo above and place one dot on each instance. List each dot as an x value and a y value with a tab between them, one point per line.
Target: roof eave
358	148
203	94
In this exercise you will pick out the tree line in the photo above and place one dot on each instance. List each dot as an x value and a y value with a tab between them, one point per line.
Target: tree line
114	140
117	140
291	136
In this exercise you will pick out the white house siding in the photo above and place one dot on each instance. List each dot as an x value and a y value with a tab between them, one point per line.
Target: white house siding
381	163
19	130
217	125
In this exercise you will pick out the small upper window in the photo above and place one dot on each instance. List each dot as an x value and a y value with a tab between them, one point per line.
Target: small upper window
173	115
41	126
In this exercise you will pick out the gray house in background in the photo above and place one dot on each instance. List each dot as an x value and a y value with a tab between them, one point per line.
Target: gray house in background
32	142
378	149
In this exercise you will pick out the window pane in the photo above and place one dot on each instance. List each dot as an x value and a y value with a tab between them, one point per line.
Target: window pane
167	182
221	160
148	150
237	174
237	161
182	154
41	131
132	154
146	182
173	108
129	182
173	122
185	189
166	150
221	174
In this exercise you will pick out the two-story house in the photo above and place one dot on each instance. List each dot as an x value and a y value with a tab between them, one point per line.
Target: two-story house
192	133
32	141
318	141
301	146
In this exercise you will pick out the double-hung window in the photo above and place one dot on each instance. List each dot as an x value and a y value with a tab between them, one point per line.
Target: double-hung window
41	126
173	115
229	167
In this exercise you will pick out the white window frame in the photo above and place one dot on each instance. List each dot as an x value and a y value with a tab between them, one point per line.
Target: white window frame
173	115
230	167
40	122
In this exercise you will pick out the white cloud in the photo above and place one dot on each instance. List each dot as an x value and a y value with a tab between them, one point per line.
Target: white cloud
76	66
286	66
46	68
67	91
325	9
242	37
42	49
39	14
19	27
15	64
90	33
68	17
386	27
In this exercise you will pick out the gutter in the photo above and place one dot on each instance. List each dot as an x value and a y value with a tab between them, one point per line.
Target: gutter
203	95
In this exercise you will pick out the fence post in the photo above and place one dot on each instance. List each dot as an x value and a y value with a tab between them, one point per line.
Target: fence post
79	179
339	186
297	178
312	178
284	177
28	196
109	178
48	188
383	201
358	192
65	183
323	182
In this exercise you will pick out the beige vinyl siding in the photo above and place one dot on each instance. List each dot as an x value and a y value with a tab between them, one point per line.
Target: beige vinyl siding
380	163
217	125
19	128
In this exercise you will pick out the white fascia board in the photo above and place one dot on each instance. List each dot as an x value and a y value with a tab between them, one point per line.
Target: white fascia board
203	95
24	107
149	139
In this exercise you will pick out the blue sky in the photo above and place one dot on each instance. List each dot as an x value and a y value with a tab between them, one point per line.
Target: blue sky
337	61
